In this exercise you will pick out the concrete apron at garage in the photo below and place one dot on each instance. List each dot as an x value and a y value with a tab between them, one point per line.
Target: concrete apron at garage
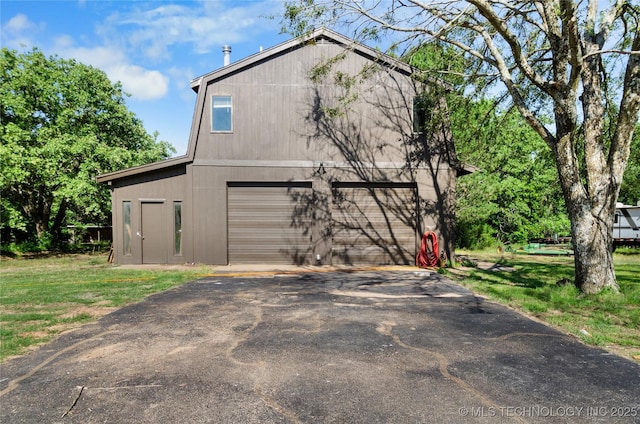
312	347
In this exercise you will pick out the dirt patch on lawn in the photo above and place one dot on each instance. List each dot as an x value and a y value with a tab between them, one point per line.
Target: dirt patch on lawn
96	310
84	313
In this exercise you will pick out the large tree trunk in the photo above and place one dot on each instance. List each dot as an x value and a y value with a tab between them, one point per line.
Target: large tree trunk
57	226
591	208
38	209
592	244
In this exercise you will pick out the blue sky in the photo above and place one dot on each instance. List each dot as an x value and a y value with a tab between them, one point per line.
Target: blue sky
154	48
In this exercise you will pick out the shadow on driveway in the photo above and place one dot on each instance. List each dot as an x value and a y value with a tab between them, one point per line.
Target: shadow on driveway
359	347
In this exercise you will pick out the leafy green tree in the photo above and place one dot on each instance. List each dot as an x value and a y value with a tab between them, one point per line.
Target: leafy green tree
630	189
557	59
62	124
515	194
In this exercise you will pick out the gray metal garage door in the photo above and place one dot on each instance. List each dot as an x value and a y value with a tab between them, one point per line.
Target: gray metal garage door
374	224
267	223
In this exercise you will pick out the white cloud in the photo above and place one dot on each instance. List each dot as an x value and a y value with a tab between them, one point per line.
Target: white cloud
18	24
141	83
132	41
204	27
100	56
18	31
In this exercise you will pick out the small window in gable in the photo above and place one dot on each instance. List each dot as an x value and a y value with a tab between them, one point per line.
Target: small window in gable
422	106
221	114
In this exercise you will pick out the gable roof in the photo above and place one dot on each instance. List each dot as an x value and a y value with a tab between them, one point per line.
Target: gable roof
242	64
321	33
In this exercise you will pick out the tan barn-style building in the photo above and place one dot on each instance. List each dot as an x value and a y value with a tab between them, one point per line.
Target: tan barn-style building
310	152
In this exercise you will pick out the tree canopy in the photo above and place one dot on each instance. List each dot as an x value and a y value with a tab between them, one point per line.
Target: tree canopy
571	69
514	195
62	124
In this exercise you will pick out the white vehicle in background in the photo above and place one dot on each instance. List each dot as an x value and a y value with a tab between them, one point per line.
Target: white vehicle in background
626	225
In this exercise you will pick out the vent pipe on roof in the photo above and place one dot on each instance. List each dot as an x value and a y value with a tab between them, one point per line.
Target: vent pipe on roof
227	54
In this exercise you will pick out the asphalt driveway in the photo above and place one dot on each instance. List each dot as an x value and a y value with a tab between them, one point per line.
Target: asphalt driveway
359	347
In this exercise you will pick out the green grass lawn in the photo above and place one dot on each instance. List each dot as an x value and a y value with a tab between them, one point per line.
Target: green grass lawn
609	320
41	297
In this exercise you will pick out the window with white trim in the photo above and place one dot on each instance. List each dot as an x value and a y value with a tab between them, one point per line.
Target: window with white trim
221	114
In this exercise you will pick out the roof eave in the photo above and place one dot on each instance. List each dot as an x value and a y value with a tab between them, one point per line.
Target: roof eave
149	167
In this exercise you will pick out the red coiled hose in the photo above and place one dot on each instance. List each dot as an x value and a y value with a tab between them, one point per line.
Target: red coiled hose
428	255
